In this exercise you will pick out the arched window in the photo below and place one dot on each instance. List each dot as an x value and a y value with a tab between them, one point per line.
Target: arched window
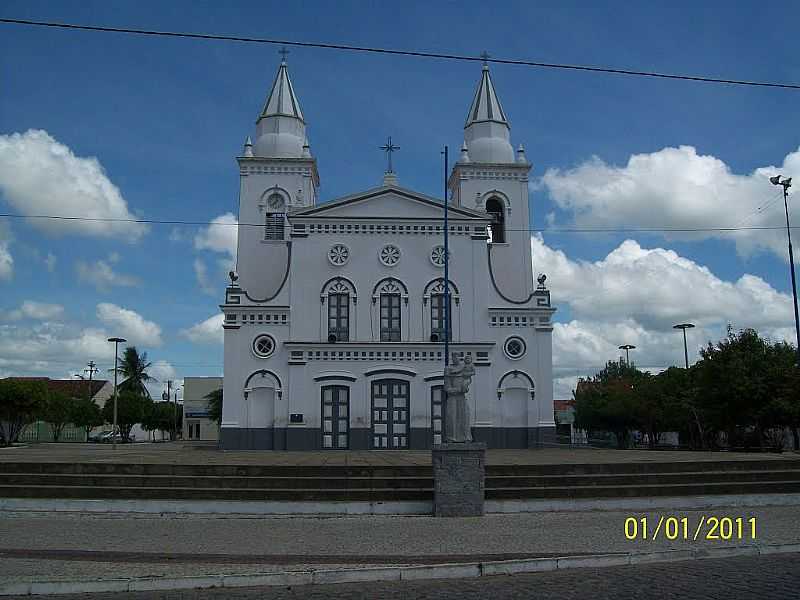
388	293
276	216
494	206
338	292
434	293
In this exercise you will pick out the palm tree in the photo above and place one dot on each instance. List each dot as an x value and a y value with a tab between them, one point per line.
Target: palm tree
133	367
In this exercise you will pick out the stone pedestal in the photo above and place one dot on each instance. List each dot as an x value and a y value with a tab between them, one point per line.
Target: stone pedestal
458	479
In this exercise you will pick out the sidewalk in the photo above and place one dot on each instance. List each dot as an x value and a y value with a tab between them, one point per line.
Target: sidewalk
87	547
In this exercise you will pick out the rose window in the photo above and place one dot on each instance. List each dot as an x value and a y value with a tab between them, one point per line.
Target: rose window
389	255
339	254
263	346
514	348
437	256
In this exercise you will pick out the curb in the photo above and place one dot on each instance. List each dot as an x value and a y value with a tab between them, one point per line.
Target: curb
246	508
398	573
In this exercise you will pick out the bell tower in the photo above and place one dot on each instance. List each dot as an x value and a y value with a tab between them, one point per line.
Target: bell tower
278	175
491	177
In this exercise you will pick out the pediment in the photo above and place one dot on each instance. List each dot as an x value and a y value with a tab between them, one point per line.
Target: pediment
388	203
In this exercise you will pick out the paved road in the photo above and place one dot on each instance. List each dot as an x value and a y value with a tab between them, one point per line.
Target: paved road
774	577
76	546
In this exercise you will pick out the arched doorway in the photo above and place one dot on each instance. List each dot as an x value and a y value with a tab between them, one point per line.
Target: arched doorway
494	206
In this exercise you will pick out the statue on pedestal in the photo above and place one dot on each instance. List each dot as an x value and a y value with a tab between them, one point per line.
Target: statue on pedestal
457	378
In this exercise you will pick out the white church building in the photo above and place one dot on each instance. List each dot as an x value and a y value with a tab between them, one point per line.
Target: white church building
334	317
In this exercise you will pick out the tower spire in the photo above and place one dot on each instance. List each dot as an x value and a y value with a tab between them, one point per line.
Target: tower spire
281	128
486	130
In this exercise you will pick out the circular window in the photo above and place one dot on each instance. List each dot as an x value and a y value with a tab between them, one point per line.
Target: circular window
263	346
339	254
389	255
437	256
514	348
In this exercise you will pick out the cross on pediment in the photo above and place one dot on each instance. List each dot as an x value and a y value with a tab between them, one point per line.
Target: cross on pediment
485	56
389	148
284	53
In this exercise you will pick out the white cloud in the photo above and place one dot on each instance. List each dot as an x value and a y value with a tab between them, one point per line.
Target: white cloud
36	310
6	260
676	188
50	262
129	324
220	237
102	275
41	176
201	272
635	295
162	371
206	332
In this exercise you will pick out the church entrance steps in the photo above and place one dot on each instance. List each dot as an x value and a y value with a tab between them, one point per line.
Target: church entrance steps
390	483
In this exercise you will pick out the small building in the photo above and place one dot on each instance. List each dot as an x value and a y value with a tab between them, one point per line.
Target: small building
197	425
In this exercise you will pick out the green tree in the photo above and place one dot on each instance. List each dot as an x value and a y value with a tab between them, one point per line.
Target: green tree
21	403
608	401
736	380
131	409
86	414
215	405
56	412
133	368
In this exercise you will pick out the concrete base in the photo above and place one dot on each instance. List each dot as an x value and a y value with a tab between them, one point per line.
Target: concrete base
458	479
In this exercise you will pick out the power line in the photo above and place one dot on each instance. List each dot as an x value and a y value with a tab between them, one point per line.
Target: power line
396	52
530	229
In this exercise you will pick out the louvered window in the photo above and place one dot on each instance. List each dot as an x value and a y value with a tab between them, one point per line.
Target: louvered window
273	229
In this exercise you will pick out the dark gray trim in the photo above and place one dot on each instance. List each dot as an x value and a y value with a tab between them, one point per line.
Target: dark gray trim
385	371
285	277
261	372
369	343
335	378
310	438
516	372
434	378
494	283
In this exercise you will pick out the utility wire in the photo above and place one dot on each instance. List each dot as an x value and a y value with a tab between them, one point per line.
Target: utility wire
530	229
396	52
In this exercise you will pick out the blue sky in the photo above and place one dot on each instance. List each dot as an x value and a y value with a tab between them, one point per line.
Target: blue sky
165	118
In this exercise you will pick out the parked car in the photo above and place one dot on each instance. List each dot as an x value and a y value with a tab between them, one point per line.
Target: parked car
99	436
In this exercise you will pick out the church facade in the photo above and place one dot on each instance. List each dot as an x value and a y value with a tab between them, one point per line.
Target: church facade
334	318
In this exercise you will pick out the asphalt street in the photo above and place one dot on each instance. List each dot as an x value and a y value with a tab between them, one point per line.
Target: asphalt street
775	577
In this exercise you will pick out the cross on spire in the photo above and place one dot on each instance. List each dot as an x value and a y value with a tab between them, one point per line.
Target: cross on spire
283	52
389	148
485	56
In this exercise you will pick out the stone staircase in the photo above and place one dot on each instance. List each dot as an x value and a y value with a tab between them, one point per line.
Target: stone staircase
100	480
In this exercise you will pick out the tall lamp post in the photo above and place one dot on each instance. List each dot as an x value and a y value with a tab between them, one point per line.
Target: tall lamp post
117	341
786	183
684	327
627	348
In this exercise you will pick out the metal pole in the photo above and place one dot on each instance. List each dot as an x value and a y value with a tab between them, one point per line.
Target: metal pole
114	428
685	349
791	269
176	412
446	271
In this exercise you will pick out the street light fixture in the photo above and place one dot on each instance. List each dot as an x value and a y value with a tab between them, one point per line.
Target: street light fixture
786	183
684	327
117	341
627	348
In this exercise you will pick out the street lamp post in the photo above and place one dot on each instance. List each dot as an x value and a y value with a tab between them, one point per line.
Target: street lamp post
627	348
786	183
684	327
117	341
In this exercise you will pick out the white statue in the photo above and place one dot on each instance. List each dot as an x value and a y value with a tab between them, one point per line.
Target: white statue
457	378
